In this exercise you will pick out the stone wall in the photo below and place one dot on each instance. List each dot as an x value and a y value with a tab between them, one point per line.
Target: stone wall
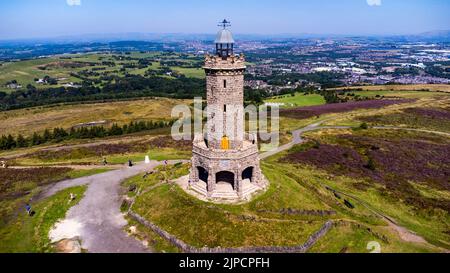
268	249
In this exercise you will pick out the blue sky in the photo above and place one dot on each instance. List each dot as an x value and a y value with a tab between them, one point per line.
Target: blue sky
52	18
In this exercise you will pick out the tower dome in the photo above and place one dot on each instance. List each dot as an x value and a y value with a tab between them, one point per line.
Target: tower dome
224	36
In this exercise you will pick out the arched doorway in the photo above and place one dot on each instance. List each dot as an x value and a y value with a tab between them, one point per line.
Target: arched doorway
248	174
225	143
202	174
225	178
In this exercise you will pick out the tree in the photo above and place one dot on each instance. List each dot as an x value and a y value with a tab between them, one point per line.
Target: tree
10	142
364	126
3	143
36	139
47	136
21	141
59	134
115	130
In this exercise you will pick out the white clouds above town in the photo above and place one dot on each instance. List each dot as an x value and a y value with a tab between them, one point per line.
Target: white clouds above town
374	2
73	2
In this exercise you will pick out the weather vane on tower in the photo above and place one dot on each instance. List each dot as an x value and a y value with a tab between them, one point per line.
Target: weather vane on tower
224	24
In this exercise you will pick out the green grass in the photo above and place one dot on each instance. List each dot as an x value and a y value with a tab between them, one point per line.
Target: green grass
200	224
27	234
190	72
299	100
24	72
353	238
156	242
161	174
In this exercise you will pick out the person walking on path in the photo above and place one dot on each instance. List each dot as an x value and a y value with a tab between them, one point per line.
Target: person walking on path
28	208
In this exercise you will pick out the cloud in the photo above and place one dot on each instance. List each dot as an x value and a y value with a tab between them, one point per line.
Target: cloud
73	2
374	2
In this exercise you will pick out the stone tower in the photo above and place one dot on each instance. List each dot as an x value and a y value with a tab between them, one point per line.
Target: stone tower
225	162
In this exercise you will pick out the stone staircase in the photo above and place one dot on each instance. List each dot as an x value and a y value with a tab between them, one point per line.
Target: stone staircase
200	188
224	192
225	195
249	189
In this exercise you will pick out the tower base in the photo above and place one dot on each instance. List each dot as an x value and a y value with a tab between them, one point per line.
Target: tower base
228	175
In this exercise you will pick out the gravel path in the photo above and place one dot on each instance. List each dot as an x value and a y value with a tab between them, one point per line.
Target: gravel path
297	137
97	219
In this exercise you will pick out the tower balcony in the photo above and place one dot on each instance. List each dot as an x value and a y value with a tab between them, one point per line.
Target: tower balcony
249	147
233	62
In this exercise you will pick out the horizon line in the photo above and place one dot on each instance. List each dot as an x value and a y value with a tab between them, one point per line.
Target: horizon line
280	35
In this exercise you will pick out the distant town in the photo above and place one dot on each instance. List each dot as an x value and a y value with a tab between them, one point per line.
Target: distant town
282	63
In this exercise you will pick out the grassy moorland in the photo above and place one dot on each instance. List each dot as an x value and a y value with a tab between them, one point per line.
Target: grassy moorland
406	87
428	112
25	234
285	215
157	148
401	174
432	118
30	120
339	114
298	100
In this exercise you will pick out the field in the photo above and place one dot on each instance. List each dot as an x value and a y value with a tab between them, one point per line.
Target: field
93	67
157	148
27	121
421	118
426	112
317	111
299	100
417	87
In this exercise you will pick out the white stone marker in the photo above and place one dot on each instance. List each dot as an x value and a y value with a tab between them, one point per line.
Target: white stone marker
147	159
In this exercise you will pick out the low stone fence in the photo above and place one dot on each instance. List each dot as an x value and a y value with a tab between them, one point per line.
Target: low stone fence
290	211
269	249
